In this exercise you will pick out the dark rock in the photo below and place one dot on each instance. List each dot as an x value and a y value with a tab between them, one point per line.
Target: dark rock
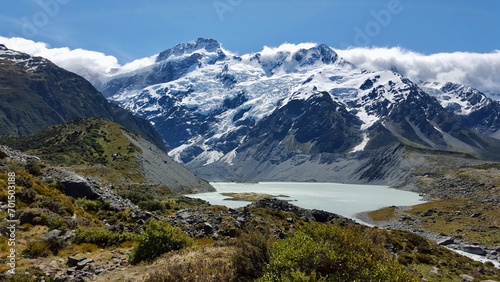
207	228
100	271
428	212
81	264
446	242
475	215
474	250
321	216
406	218
72	261
78	187
63	278
229	233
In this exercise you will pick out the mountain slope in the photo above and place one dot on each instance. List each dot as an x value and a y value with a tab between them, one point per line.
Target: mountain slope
97	147
220	113
475	108
36	94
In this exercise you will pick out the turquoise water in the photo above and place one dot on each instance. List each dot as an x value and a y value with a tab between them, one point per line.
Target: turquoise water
343	199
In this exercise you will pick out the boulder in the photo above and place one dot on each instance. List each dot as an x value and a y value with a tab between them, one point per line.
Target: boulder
446	241
207	228
476	250
78	187
72	261
81	264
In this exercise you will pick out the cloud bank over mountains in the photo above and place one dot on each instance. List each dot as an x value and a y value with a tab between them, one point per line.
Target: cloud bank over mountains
479	70
80	61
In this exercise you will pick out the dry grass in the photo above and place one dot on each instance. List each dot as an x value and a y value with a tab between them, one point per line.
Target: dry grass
201	263
475	222
387	213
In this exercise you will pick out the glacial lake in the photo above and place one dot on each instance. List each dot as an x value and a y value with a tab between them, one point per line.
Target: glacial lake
343	199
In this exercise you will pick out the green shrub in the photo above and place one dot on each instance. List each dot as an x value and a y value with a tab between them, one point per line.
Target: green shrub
159	238
136	197
38	216
424	258
152	205
33	168
405	259
101	237
24	181
35	249
53	204
88	205
26	195
252	254
324	252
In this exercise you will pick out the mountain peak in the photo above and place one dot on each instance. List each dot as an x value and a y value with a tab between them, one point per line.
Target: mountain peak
292	58
24	60
208	44
321	52
450	86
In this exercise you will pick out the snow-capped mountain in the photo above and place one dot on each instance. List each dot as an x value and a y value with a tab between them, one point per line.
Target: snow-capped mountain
475	108
22	60
225	115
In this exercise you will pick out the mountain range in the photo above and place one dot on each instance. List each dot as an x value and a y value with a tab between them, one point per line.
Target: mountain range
298	113
36	94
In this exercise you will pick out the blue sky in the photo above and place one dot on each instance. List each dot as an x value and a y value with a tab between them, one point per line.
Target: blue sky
130	29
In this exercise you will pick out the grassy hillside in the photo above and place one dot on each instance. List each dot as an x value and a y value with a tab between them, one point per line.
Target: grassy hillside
98	148
95	146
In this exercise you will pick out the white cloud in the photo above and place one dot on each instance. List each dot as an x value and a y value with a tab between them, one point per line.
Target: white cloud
94	66
479	70
286	47
64	57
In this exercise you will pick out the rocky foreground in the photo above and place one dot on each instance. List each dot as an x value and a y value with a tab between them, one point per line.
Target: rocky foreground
74	227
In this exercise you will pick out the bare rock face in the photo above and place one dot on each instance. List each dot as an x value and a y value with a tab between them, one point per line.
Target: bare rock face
161	169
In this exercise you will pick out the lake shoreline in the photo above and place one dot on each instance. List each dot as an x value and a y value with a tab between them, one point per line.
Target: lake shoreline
459	245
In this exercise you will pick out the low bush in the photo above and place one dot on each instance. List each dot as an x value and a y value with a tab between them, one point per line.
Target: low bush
26	195
251	256
88	205
53	204
136	197
325	252
39	216
424	258
200	269
158	238
152	205
33	168
101	237
35	249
